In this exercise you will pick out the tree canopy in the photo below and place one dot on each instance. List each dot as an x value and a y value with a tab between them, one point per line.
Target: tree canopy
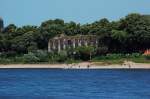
127	35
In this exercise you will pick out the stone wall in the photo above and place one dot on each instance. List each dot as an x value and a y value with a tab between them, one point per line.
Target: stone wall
62	43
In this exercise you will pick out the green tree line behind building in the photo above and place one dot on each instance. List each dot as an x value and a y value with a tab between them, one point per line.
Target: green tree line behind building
130	34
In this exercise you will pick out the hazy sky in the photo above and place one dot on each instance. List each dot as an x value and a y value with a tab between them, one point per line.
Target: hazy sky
33	12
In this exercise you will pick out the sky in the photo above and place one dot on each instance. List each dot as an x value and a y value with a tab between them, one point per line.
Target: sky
33	12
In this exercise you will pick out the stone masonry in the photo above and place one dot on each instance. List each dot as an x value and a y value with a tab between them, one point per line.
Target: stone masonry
63	42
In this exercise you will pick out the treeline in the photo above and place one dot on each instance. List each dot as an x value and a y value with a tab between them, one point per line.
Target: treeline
128	35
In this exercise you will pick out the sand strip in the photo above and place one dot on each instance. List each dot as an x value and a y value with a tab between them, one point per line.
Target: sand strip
84	65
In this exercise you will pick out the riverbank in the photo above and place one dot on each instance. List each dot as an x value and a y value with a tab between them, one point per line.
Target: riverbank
83	65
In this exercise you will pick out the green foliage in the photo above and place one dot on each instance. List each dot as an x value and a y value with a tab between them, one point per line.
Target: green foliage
30	58
33	57
42	55
102	50
135	55
137	28
119	35
72	28
118	56
130	34
113	56
58	57
5	61
147	57
8	54
62	56
85	52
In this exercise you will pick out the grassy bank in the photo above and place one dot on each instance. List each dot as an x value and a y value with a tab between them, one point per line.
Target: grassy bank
48	58
120	58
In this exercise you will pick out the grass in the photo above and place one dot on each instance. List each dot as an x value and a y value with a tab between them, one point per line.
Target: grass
99	60
120	60
108	62
140	60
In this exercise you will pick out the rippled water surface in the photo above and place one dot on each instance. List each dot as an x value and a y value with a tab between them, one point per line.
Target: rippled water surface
74	84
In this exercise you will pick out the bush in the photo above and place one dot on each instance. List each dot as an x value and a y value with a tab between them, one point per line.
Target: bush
85	52
102	50
42	55
8	54
134	55
147	57
18	59
5	61
114	56
30	58
98	58
62	56
57	57
109	57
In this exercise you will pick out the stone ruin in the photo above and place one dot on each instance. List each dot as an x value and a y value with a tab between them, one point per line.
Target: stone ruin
63	42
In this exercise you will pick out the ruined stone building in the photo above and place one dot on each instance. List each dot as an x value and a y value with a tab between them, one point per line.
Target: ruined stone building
1	24
63	42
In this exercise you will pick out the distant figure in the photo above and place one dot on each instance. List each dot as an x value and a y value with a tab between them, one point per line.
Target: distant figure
71	66
67	66
79	66
127	63
124	64
129	66
88	66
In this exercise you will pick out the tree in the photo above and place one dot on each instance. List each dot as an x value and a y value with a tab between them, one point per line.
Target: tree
103	30
119	39
101	50
72	28
137	28
47	30
85	52
11	28
24	43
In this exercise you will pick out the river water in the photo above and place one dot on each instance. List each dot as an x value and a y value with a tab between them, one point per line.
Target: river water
74	84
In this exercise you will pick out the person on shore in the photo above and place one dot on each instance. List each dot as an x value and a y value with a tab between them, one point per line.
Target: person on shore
67	66
129	66
88	66
71	66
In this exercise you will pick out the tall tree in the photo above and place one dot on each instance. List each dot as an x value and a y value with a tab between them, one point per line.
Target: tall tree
138	29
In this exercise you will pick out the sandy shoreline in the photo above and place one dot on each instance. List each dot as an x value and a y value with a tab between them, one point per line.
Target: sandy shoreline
84	65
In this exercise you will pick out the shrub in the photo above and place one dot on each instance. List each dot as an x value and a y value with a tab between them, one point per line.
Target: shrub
85	52
57	57
102	50
62	56
42	55
18	59
8	54
32	48
5	61
147	57
135	55
30	58
114	56
98	58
